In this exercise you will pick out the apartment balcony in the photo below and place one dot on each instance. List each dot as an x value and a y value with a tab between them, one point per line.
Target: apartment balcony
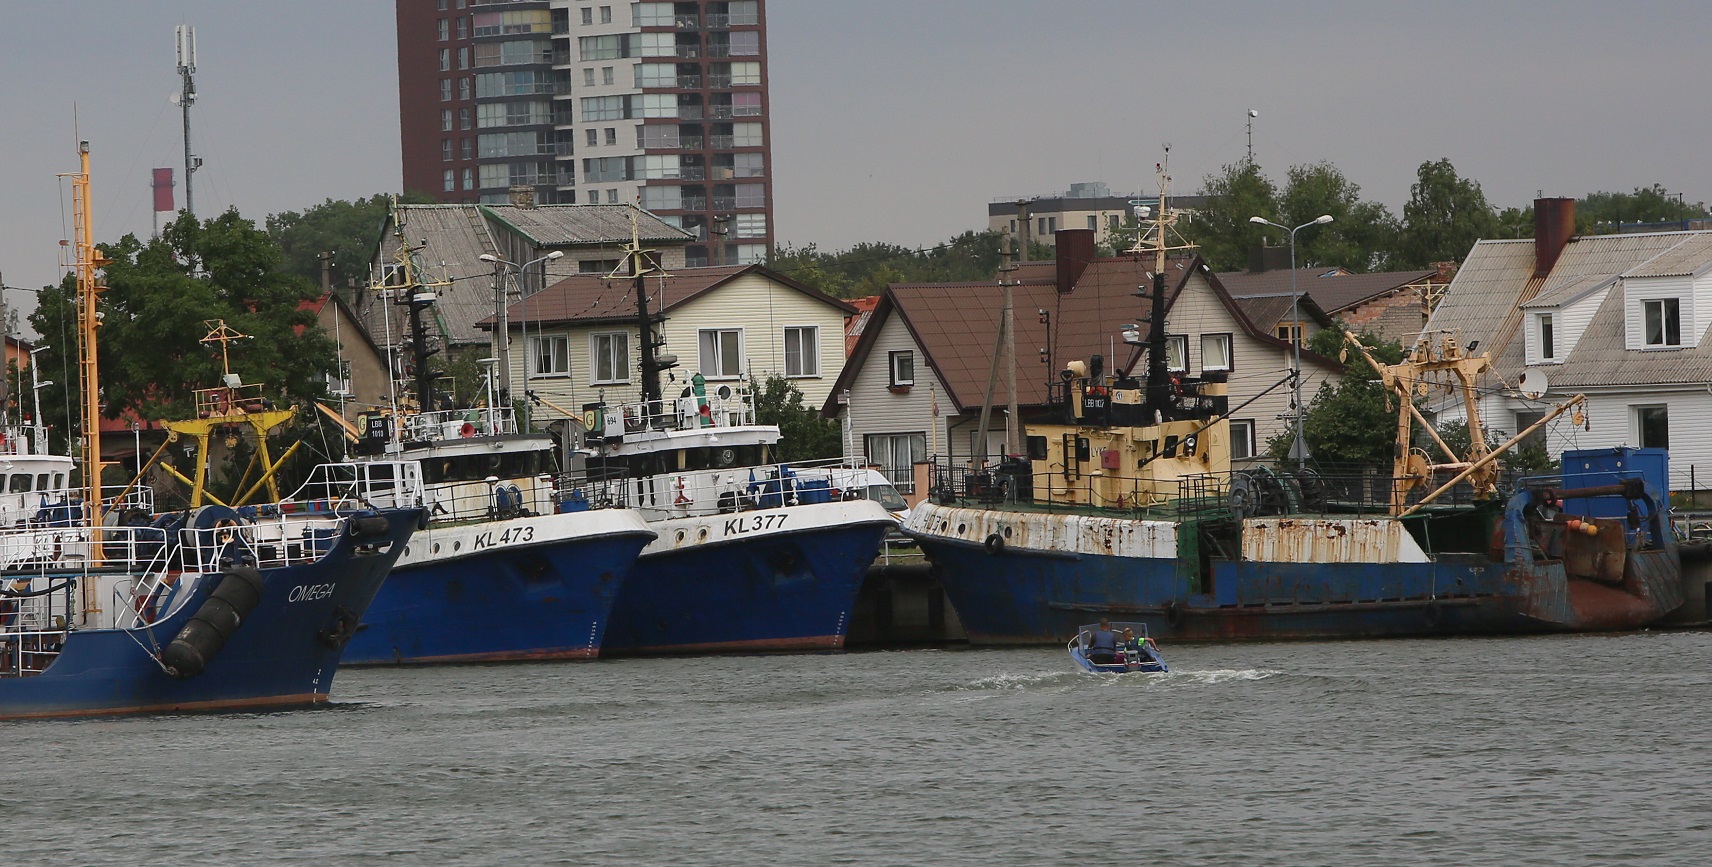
689	82
690	203
688	22
689	143
719	81
689	112
725	203
689	51
718	22
746	111
721	142
692	173
719	111
719	51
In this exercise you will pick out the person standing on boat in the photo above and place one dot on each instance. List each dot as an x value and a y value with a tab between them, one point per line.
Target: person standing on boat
1103	644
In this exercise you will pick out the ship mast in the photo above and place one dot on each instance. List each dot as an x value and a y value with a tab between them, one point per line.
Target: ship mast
1157	239
88	320
638	266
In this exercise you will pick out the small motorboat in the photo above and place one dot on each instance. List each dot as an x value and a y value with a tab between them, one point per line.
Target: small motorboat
1116	648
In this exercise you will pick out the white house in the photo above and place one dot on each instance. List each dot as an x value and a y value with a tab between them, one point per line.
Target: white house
1623	319
575	342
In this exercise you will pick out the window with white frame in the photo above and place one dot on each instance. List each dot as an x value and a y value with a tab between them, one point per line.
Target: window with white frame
1177	352
751	254
721	353
1663	322
1548	338
1215	352
550	356
802	350
896	455
609	357
1652	427
1242	439
903	368
749	226
652	15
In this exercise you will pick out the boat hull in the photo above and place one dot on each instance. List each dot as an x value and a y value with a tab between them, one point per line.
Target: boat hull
279	657
522	589
782	579
1058	574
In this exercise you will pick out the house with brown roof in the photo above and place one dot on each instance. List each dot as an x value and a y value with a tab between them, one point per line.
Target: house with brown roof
915	384
575	342
1390	304
1623	319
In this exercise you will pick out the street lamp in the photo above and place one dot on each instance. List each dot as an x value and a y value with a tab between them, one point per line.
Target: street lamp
502	328
1298	449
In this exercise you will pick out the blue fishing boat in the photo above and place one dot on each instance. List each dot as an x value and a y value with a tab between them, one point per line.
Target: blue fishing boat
107	608
1115	647
1126	506
517	561
751	555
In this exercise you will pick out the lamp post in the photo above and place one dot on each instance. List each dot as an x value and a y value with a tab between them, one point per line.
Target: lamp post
1299	448
502	328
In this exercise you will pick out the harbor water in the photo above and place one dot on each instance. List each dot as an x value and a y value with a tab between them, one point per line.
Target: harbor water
1549	750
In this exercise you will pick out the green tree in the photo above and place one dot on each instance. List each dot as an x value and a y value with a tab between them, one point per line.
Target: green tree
350	229
1443	218
1360	232
803	434
154	313
1604	213
1351	422
1221	227
867	268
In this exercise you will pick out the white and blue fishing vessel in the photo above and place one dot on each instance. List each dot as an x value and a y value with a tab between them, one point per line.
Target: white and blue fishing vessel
515	562
752	555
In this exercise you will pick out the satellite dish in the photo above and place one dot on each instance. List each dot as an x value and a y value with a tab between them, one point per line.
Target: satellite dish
1533	384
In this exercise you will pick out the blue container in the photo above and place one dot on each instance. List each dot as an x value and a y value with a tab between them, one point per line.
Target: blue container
812	491
1587	468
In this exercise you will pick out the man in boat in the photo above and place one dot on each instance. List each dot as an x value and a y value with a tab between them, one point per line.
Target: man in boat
1103	644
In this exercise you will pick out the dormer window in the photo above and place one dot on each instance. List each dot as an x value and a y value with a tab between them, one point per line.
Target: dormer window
1548	341
1663	322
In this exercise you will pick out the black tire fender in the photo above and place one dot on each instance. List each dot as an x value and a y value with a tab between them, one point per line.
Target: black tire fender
995	544
1173	614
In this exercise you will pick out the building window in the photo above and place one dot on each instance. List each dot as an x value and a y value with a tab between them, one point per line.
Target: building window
588	14
612	135
463	88
897	455
588	77
606	14
463	28
445	31
445	150
593	136
551	356
802	351
1663	324
445	120
903	368
1548	343
606	75
447	179
445	59
1242	439
469	179
609	357
445	90
464	149
464	58
721	353
1288	333
1215	352
463	118
1177	352
1652	427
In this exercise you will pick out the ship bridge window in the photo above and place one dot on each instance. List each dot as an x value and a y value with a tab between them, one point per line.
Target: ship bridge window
475	468
42	482
721	457
20	483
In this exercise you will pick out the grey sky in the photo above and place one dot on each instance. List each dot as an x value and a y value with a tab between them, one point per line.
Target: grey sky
898	120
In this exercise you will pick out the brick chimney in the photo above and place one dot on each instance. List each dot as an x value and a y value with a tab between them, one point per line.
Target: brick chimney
522	196
1075	251
1554	225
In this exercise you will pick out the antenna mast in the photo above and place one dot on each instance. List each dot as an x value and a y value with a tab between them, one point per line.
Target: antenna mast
185	39
1157	238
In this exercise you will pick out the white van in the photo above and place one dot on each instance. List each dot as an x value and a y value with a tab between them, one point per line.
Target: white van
852	483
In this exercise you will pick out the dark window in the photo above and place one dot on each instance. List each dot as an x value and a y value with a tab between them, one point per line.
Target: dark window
1548	346
1654	424
1663	324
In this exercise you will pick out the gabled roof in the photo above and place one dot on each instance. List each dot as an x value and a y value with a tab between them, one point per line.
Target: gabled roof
1496	283
858	321
954	323
1267	311
590	299
575	225
1335	289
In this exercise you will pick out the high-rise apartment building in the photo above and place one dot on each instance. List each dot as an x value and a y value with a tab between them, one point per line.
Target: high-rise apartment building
664	104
